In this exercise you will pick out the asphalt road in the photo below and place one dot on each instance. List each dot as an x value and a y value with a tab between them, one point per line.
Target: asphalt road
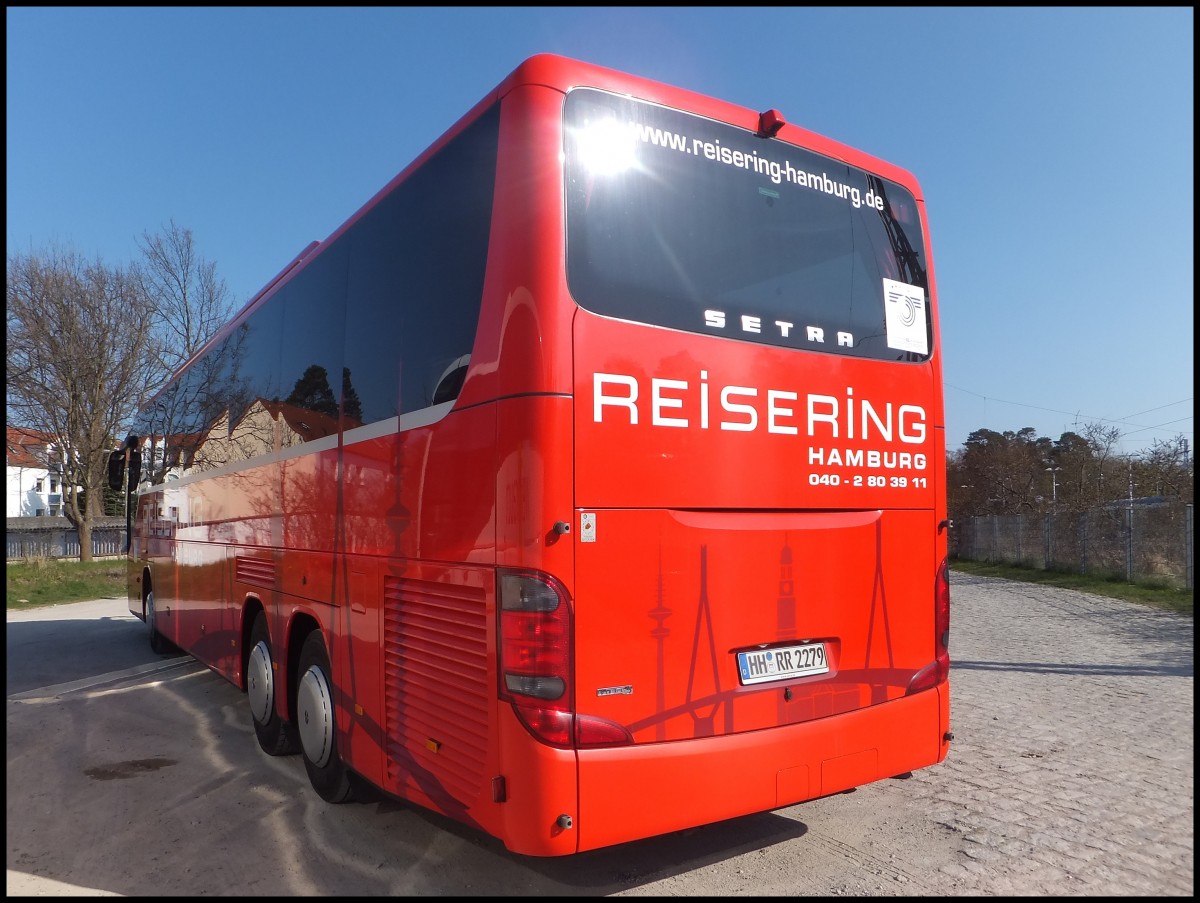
1071	773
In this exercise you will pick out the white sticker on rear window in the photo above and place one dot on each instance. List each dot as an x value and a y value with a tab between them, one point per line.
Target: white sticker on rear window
907	324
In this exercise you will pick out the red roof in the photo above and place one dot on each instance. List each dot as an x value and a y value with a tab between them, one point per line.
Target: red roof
22	447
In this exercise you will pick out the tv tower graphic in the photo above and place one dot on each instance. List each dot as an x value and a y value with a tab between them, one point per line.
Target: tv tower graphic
785	612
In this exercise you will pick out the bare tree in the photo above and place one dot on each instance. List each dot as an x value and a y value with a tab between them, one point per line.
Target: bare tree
1103	442
1166	469
191	302
88	345
79	358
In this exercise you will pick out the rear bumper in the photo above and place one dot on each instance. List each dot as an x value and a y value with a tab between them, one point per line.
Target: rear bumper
649	789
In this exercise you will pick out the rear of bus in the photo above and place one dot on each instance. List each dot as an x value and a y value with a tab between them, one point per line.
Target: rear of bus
757	609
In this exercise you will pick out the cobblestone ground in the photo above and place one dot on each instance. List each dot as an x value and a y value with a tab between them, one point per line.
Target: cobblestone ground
1071	770
1071	774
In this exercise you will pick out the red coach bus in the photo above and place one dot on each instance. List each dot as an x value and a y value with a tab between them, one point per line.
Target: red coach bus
587	484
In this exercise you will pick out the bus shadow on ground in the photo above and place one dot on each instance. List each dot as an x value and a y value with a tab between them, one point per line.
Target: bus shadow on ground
654	859
43	653
629	865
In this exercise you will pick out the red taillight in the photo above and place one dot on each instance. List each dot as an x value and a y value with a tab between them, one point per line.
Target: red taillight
535	653
592	732
942	618
939	669
535	664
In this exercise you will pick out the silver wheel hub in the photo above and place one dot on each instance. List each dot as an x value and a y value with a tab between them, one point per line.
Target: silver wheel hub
314	716
260	683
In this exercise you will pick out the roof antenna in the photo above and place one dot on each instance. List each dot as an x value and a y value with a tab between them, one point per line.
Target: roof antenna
769	123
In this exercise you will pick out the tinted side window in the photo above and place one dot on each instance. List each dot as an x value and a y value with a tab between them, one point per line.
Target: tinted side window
416	269
379	323
311	352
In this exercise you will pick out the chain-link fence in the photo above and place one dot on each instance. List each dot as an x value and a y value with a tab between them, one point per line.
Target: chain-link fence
1140	543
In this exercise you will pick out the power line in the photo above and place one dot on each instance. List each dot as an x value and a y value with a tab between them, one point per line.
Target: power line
1160	407
1160	426
1077	415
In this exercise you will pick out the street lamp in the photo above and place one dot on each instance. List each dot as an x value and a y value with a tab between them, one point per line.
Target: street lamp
1053	471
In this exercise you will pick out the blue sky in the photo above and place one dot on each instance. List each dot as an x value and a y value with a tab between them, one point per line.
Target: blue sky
1054	148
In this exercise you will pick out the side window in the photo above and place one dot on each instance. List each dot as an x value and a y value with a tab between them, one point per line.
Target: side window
416	270
380	322
311	353
230	393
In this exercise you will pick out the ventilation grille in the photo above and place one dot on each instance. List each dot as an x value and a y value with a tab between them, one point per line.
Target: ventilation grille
258	571
436	686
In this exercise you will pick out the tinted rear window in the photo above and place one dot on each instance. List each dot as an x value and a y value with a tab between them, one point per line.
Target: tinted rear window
680	221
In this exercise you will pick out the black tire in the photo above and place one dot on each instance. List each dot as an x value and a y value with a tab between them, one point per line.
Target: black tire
159	644
275	735
316	723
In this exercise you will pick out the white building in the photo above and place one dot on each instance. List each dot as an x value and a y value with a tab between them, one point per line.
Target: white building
34	480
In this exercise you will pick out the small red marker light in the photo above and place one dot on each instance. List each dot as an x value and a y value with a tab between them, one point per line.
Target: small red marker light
769	123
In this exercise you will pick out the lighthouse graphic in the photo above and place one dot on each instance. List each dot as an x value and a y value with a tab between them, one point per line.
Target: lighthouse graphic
660	632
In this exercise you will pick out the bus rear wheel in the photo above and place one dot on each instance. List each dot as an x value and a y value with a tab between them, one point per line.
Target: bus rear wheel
276	736
317	724
158	643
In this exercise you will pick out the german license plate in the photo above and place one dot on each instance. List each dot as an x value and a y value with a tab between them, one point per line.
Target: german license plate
782	663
